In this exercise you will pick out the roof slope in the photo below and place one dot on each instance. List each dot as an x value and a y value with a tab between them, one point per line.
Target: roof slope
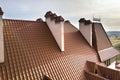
31	52
102	43
102	39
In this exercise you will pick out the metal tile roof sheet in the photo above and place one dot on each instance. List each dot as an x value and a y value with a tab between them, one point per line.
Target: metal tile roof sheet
102	43
31	52
102	40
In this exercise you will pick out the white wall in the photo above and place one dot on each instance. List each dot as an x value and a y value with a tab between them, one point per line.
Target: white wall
1	41
57	30
86	31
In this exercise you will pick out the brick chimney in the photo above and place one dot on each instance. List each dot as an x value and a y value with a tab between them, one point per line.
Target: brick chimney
85	27
1	38
56	26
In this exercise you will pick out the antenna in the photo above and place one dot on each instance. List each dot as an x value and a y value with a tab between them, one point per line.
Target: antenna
97	19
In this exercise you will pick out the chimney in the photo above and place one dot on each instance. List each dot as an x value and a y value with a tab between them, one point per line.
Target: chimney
56	26
1	38
85	27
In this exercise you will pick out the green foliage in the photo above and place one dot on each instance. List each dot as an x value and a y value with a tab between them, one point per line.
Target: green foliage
115	39
117	46
118	57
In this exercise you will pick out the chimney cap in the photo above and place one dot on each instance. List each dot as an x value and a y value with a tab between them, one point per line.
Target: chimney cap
82	20
53	16
59	19
87	22
1	12
67	21
48	14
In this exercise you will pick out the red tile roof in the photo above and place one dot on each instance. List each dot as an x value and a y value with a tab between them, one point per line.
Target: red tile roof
31	52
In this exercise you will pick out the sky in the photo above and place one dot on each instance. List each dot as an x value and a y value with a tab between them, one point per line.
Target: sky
72	10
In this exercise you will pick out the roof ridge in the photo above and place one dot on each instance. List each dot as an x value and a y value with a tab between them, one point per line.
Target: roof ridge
19	20
71	24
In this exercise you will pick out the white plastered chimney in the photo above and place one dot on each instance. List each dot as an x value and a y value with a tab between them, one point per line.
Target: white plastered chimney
56	26
85	27
1	38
